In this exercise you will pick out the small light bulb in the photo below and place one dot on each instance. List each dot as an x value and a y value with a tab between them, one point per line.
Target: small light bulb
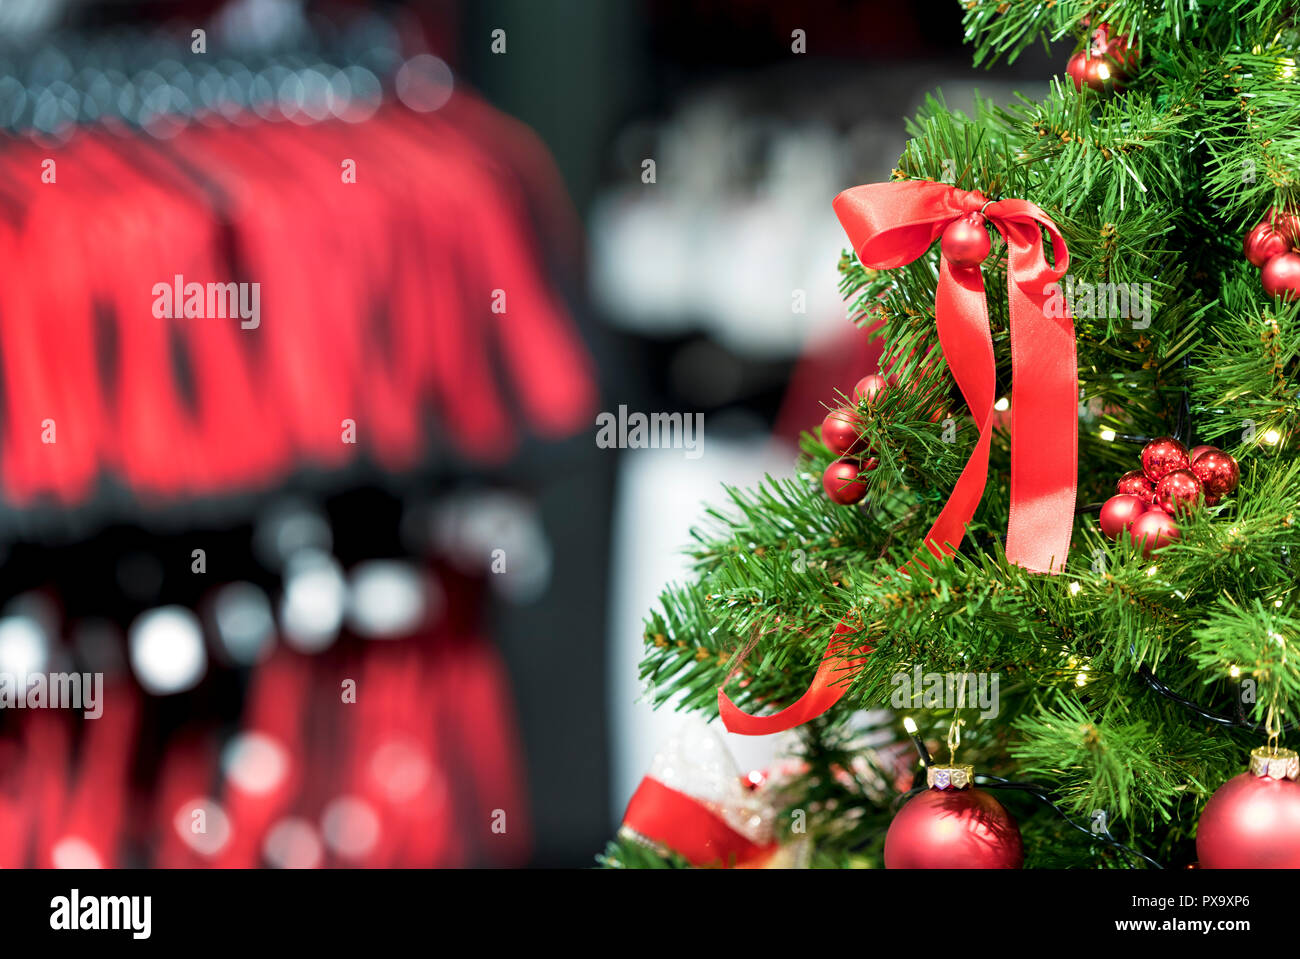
1151	571
1277	604
1272	437
1075	588
1002	404
1108	435
910	725
1081	679
1103	71
1234	672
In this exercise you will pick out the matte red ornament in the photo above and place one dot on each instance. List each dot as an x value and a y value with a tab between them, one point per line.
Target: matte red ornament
953	829
841	483
1135	483
965	242
1251	822
1178	492
1281	276
1218	473
1120	512
840	431
868	387
1263	243
1153	530
1162	456
1198	450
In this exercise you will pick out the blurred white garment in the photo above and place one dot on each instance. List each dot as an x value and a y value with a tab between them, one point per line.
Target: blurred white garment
659	495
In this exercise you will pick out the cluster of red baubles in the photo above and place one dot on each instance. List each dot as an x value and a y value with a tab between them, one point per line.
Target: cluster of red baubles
1271	246
1171	481
1106	63
842	434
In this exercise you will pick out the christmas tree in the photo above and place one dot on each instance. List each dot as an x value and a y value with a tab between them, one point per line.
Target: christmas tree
1056	536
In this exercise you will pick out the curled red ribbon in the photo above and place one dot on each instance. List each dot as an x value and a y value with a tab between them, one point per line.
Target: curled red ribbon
890	225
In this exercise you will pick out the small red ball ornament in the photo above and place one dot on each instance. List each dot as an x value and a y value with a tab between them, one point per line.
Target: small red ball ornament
1263	243
1218	473
1120	512
1198	450
1135	483
1286	222
1076	68
1253	820
953	828
1162	456
840	431
965	242
841	482
1178	492
1281	276
868	387
1153	529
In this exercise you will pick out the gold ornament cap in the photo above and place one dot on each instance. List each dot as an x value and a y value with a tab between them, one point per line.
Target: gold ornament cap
1274	763
950	777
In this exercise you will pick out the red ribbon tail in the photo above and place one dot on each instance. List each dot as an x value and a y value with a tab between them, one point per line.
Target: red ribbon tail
839	665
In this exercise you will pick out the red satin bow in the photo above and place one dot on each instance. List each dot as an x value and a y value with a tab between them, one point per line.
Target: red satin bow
890	225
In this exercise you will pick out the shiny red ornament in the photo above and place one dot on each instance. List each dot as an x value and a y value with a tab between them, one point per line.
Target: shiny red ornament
841	483
868	387
1135	483
1076	68
1099	72
953	829
965	242
1263	243
840	431
1251	822
1178	492
1218	473
1286	222
1120	512
1162	456
1198	450
1281	276
1153	529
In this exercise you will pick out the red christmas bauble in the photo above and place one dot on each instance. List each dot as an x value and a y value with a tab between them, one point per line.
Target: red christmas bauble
1251	822
1217	471
841	483
1178	492
1198	450
965	242
1135	483
1286	222
1076	68
1162	456
868	387
1281	276
953	829
1101	73
840	431
1153	529
1263	243
1123	56
1120	512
